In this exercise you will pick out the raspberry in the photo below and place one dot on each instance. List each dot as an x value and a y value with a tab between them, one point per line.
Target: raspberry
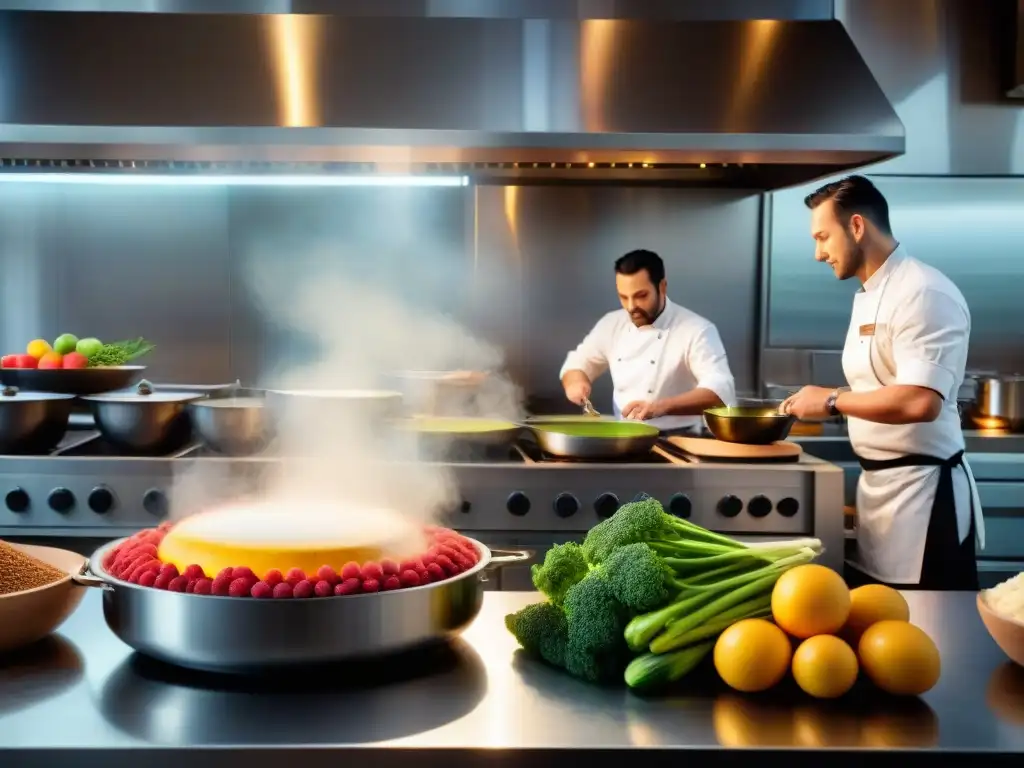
348	587
370	585
134	578
165	526
304	589
283	590
350	571
238	588
372	571
261	590
323	588
390	567
242	572
147	579
220	586
169	568
226	573
436	572
326	573
391	582
295	575
409	578
423	574
194	572
449	567
190	588
163	580
273	577
462	562
203	587
428	558
141	568
178	584
410	565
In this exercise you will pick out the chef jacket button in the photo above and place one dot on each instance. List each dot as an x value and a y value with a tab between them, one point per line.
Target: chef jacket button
650	391
652	362
659	335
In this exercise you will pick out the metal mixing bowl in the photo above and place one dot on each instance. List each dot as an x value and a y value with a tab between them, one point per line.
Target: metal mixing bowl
235	424
751	425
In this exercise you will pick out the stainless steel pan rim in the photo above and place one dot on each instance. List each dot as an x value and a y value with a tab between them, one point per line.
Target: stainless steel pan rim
249	636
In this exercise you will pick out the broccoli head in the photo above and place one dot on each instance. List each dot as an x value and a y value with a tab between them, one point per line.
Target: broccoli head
596	648
634	522
563	566
541	630
639	578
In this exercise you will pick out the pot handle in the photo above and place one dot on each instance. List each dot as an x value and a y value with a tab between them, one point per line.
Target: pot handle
502	557
86	579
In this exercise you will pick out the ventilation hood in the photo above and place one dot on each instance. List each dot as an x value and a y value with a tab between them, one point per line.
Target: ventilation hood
764	103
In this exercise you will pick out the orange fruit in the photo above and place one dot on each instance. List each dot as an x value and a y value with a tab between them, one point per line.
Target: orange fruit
810	600
871	604
38	347
51	360
899	658
752	655
825	667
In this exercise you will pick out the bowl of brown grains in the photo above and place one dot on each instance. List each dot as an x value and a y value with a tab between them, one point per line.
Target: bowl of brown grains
37	591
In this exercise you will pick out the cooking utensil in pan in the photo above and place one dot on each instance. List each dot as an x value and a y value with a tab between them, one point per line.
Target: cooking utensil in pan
591	438
32	422
588	409
245	635
752	425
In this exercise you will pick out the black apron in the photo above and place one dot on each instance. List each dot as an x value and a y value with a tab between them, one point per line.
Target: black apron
949	564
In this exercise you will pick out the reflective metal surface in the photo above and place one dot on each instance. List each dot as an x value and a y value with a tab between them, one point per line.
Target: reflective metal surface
146	426
494	90
234	426
750	425
602	439
482	700
224	634
999	402
32	422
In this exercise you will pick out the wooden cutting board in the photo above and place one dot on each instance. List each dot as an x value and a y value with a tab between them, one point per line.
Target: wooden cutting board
706	448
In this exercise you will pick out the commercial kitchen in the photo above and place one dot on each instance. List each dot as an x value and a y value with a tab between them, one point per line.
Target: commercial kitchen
492	160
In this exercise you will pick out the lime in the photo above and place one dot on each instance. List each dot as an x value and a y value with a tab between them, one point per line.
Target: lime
65	343
88	347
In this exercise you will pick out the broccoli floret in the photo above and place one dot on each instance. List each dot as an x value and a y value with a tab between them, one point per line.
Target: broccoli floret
639	578
634	522
563	566
596	648
541	629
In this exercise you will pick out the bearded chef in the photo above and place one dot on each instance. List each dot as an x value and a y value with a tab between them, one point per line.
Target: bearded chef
918	512
667	363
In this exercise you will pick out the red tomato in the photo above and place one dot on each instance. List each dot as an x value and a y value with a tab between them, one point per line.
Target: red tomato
26	361
75	360
9	361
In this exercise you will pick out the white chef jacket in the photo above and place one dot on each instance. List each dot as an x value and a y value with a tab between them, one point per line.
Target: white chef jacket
678	353
910	325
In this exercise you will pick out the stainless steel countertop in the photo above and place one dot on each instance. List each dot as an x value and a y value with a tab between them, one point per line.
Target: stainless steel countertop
82	698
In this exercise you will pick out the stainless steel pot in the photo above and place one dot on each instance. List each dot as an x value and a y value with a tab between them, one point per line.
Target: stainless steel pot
146	420
314	406
439	393
244	635
234	423
594	439
32	422
999	402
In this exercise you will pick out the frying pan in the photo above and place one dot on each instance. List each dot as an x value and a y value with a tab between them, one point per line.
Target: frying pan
751	425
477	431
592	438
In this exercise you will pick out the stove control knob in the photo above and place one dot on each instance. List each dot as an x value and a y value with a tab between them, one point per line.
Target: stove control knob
759	506
517	503
17	500
730	506
101	500
680	505
606	505
61	500
155	502
788	507
566	505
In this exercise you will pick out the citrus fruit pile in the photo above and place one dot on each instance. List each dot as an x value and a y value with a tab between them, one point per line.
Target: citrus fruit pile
837	633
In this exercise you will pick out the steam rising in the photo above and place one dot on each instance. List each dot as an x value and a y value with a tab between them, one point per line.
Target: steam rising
358	338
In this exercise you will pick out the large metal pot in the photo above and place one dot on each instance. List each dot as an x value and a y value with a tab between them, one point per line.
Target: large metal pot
999	402
439	393
146	420
245	635
594	439
32	422
756	425
233	423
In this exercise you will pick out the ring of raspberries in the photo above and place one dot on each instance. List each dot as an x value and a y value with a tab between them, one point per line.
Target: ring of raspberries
135	561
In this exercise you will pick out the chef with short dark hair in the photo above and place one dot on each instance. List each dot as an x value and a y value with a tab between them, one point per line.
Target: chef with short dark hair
918	511
667	363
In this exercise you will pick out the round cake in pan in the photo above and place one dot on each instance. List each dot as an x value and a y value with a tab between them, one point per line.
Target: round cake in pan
268	536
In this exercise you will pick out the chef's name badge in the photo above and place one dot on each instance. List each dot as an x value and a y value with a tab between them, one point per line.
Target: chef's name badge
867	330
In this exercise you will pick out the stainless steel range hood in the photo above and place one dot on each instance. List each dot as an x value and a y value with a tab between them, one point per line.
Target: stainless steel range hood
761	103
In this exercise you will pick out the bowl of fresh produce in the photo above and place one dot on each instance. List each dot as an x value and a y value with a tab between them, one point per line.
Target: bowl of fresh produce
73	366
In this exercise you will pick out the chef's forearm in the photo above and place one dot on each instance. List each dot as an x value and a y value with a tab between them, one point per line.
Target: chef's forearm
894	404
575	376
690	403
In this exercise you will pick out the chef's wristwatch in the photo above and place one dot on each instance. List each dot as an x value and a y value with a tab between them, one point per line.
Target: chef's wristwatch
830	403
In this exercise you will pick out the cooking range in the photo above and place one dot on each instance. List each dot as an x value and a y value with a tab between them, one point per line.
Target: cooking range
511	497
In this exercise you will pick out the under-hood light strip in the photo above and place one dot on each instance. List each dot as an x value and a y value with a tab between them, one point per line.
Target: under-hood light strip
268	180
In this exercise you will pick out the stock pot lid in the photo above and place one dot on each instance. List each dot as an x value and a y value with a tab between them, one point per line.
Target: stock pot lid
13	394
145	393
